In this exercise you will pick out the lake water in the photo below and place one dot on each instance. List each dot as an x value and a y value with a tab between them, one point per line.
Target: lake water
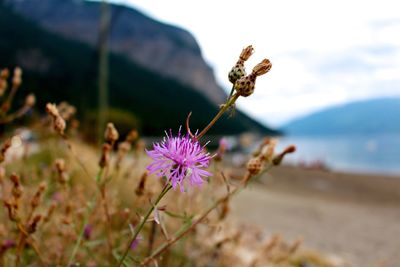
358	153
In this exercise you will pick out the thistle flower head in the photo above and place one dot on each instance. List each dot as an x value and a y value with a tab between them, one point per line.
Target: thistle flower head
179	158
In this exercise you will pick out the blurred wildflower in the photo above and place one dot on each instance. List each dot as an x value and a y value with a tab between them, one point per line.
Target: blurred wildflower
87	231
140	188
111	134
222	147
7	244
178	158
59	123
278	158
135	243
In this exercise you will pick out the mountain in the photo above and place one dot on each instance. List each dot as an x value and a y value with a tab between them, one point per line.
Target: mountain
167	50
57	68
361	117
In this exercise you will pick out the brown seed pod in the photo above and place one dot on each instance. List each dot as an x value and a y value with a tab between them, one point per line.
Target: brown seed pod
245	85
254	166
238	71
111	134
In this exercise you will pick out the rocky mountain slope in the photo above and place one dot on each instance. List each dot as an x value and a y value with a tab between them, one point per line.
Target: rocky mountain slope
57	69
169	51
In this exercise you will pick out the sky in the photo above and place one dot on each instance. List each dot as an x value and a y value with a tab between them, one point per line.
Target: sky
323	53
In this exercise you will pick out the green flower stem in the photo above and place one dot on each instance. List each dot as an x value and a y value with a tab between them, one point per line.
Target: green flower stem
166	188
80	237
232	90
226	106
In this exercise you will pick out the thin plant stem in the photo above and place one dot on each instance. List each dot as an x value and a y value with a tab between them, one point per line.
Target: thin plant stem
166	188
229	103
108	218
231	93
80	237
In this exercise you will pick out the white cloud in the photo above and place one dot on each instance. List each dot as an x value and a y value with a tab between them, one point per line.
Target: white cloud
323	52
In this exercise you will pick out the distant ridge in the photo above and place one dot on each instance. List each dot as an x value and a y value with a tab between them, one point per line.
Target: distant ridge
169	51
60	69
361	117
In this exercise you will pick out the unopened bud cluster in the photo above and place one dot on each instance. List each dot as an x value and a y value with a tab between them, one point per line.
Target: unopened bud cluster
244	84
4	74
238	71
264	155
63	176
13	204
8	97
125	146
66	110
59	123
17	78
3	150
111	135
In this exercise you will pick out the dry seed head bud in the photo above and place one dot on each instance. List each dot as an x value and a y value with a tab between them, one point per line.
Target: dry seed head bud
12	210
59	125
105	155
17	79
15	179
3	80
140	189
245	85
4	74
278	159
42	186
254	166
268	151
246	53
52	110
111	134
6	146
225	209
2	174
50	212
60	165
3	86
36	198
262	67
17	189
33	224
132	136
238	70
30	100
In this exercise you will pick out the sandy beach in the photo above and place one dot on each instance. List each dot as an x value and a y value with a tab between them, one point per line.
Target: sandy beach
352	216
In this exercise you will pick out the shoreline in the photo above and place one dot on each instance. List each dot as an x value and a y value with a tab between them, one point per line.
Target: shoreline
354	187
351	216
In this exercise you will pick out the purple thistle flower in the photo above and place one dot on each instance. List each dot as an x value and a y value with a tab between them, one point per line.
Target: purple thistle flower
178	158
87	232
7	244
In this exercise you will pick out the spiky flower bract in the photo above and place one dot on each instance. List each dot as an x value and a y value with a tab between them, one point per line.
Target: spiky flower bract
179	158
